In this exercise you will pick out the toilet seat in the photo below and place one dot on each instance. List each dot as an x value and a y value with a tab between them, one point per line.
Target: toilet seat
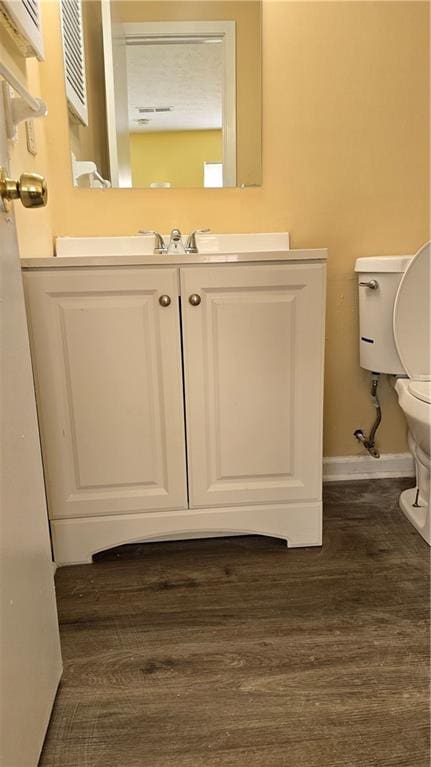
412	319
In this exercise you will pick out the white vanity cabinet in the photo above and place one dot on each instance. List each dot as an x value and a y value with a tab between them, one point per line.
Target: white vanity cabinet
107	366
252	363
199	413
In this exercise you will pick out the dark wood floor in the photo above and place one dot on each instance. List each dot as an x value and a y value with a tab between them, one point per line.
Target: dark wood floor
238	652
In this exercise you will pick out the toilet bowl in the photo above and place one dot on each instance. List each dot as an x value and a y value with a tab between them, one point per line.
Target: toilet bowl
415	502
395	338
412	335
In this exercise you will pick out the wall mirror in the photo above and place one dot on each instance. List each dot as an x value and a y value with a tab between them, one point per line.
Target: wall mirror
164	94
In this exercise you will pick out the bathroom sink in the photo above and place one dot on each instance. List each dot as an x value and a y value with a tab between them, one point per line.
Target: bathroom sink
143	245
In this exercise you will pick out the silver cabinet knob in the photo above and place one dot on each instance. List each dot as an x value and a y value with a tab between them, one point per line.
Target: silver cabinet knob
371	284
194	299
164	300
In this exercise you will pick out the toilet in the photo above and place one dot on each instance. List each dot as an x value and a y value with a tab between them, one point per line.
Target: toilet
395	338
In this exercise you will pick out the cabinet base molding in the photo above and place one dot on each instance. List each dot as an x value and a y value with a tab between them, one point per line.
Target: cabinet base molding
76	540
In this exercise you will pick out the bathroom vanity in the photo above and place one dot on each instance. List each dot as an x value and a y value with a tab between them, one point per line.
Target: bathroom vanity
179	395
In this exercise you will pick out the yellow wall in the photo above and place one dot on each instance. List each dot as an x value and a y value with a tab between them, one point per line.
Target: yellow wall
174	156
247	16
345	165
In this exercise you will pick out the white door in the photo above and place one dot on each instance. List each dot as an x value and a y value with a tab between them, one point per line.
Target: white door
29	640
253	373
107	358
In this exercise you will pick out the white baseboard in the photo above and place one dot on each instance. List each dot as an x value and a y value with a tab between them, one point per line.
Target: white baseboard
345	467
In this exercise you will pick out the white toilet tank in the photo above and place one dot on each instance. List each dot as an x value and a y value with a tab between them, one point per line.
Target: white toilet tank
378	281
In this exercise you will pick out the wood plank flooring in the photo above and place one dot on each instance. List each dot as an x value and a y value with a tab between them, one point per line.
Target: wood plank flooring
240	653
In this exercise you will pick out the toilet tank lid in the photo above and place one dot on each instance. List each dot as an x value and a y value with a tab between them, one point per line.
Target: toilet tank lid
396	264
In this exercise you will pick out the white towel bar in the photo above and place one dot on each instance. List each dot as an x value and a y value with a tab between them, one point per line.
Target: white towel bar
26	107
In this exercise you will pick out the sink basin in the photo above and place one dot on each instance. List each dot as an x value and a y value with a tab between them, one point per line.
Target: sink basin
143	244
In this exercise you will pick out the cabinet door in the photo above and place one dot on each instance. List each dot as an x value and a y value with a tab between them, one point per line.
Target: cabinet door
107	362
254	372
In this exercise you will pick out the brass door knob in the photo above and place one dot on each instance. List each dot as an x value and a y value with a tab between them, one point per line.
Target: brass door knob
164	300
194	299
30	189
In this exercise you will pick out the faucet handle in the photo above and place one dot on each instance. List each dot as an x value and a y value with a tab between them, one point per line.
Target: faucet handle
160	245
191	246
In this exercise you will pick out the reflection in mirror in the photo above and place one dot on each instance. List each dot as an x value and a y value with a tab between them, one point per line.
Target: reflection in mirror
181	106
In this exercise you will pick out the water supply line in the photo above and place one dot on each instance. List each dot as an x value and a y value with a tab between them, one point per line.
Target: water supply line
369	442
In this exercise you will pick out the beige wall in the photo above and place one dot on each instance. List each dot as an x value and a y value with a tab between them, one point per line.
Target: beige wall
345	165
247	16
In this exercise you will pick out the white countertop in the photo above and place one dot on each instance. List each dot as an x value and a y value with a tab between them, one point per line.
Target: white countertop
72	262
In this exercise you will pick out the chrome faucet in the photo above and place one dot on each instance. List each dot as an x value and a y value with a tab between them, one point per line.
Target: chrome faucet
175	243
160	245
191	246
